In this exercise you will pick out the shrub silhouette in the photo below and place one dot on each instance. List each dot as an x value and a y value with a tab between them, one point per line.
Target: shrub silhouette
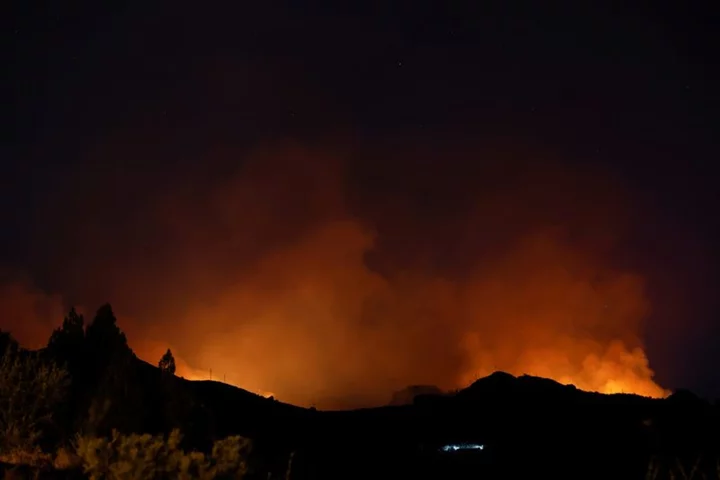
31	389
148	457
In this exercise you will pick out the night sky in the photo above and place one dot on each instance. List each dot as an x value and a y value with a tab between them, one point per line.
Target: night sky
330	203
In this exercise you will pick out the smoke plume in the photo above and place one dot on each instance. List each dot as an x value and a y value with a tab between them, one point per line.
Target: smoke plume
331	280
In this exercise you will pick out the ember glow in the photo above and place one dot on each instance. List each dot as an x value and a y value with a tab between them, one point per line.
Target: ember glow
283	278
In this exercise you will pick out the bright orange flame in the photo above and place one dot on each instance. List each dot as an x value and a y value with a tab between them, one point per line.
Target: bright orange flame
616	370
560	320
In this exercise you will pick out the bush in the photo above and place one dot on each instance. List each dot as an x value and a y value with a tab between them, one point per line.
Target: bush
148	457
706	467
30	391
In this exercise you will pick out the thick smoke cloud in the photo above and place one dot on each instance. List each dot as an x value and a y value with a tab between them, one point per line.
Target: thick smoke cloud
334	279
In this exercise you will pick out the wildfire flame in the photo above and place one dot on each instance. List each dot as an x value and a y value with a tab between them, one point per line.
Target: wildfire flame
614	370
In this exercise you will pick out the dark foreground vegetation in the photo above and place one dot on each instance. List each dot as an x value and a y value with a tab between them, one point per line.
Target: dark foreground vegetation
86	407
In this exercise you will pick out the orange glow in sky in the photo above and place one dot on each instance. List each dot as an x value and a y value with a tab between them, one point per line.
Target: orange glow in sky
277	282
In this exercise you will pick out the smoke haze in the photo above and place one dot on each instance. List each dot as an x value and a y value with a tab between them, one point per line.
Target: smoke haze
332	279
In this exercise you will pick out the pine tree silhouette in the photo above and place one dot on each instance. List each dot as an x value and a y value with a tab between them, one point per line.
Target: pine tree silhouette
167	363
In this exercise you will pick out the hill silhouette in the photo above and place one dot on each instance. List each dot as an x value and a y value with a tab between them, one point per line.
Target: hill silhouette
517	426
526	424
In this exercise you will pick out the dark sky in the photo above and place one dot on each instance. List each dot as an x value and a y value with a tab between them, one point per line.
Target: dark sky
167	156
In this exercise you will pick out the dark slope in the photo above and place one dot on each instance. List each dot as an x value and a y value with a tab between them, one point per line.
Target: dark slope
528	425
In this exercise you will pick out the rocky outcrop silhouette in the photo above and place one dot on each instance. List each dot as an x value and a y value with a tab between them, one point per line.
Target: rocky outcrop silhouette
407	395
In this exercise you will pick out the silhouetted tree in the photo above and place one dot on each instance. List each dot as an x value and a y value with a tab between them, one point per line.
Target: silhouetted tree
67	343
104	331
67	348
106	343
72	329
167	363
174	402
115	401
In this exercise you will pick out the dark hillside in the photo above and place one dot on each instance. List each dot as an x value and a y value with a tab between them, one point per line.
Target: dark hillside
527	425
501	426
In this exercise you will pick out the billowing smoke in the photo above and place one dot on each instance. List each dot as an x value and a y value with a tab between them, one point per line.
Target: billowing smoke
329	281
29	313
